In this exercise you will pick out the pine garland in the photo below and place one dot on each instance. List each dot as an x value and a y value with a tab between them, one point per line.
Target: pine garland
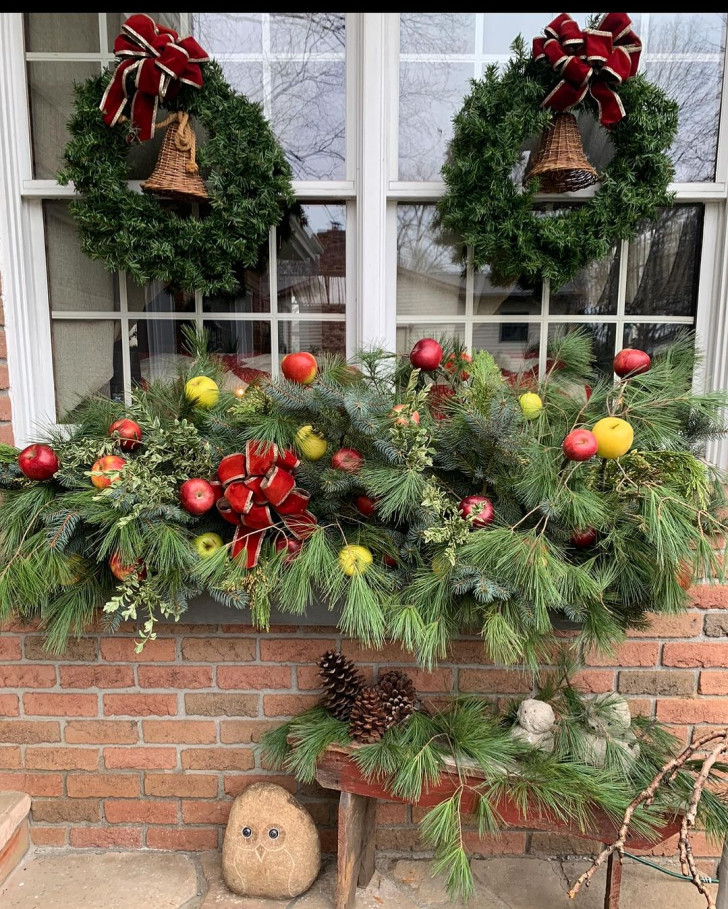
248	178
495	217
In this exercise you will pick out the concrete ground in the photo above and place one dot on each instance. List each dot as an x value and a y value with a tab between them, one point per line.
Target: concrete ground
128	880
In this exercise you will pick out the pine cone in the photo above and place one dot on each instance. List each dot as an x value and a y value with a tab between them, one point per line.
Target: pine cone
342	682
399	696
368	721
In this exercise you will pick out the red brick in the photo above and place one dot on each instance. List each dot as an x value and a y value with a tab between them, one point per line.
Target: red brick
594	681
699	654
83	650
687	625
122	650
144	758
106	837
33	783
48	836
3	345
97	676
9	705
657	682
221	704
218	758
184	839
438	679
218	650
713	682
10	648
6	410
234	785
494	681
27	732
561	844
181	785
693	710
387	654
308	678
640	706
294	650
630	653
101	732
61	758
206	812
183	732
709	596
10	758
27	676
102	785
699	841
253	678
140	704
65	811
61	704
463	652
4	376
138	811
177	677
508	843
288	704
391	813
244	732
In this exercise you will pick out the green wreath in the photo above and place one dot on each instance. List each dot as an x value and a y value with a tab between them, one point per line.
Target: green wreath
248	180
495	216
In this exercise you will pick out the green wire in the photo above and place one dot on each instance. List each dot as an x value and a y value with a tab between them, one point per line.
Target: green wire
682	877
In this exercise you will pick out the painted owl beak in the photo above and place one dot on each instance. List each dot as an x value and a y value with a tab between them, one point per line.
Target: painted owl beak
260	852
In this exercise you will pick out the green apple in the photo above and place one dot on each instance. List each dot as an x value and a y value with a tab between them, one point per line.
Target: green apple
207	544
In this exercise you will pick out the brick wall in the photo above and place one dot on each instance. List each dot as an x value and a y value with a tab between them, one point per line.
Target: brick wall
6	429
134	751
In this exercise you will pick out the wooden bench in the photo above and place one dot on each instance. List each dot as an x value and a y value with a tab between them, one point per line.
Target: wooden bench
358	821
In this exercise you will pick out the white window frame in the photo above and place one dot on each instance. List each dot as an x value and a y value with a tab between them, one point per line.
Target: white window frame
371	192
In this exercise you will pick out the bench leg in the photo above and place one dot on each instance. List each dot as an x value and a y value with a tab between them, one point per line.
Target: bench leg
357	826
614	882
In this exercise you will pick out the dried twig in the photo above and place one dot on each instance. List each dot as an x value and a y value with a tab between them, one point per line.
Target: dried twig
647	796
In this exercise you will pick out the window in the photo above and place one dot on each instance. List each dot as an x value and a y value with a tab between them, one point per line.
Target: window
362	104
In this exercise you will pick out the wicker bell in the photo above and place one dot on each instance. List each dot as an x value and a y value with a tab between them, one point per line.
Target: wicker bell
559	163
176	174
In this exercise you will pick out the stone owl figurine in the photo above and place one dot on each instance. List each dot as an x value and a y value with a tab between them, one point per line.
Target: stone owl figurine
271	847
535	724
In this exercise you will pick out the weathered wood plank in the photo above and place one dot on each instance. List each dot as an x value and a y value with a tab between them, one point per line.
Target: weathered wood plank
614	882
357	821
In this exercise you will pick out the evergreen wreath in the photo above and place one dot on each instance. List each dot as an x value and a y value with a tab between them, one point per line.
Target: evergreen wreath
248	179
495	216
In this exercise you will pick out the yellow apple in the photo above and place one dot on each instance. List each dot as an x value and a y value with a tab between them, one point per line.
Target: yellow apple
355	559
614	437
203	391
311	444
207	544
531	405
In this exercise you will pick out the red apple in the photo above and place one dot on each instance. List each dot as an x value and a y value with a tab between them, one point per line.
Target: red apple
426	355
197	495
299	367
583	538
404	420
366	505
38	462
631	362
437	399
349	460
129	432
293	547
108	464
121	571
454	364
580	445
481	503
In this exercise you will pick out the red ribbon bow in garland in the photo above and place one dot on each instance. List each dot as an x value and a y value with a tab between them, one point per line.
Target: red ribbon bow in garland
156	62
260	491
594	60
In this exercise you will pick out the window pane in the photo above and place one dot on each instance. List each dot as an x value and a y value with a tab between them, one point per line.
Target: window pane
244	345
602	341
429	280
68	33
157	349
114	21
670	33
254	296
409	334
514	345
491	300
86	360
50	89
652	338
501	28
308	33
157	297
436	33
592	292
229	33
315	337
664	263
312	261
75	283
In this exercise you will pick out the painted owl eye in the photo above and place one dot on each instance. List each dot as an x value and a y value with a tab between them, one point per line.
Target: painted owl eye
273	833
247	832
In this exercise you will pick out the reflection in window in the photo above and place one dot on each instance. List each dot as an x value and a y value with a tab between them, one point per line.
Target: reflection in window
312	260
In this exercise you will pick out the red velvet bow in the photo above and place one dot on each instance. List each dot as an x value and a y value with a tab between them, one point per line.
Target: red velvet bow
260	492
594	60
155	62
